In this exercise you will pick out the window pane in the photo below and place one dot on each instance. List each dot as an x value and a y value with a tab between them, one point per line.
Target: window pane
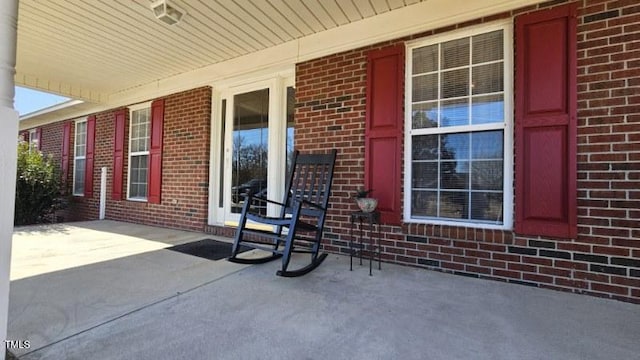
487	47
454	175
425	88
486	206
424	203
455	83
78	180
487	175
455	146
454	204
81	138
487	145
487	109
424	115
455	53
455	112
487	78
140	130
425	175
425	59
138	176
425	147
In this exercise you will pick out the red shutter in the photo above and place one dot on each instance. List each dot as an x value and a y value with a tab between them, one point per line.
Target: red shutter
89	158
118	155
66	141
546	123
155	152
39	136
383	130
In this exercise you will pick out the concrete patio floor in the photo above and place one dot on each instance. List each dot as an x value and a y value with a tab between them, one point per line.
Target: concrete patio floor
110	290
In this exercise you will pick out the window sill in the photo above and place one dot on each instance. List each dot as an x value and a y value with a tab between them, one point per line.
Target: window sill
465	224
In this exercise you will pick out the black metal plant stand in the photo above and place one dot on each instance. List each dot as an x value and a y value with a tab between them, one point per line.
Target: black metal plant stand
357	247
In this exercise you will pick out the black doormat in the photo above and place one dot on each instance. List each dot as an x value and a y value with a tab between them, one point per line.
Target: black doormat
207	248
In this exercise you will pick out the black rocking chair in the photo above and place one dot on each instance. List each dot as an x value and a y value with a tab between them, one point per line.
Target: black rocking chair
302	214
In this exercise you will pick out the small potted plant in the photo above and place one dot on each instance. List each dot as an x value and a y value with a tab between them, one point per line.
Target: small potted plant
365	203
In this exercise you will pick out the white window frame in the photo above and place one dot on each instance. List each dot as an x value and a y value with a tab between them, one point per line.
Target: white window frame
77	157
131	154
33	139
506	126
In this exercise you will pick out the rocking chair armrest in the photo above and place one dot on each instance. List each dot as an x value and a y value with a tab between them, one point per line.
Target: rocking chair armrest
312	204
260	198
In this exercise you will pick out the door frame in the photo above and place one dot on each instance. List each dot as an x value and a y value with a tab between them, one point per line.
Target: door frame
277	83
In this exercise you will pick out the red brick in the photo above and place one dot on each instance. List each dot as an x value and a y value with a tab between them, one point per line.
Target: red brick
576	284
506	273
609	289
537	278
554	271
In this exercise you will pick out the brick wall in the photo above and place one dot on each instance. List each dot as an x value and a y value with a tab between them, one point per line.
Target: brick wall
604	259
185	167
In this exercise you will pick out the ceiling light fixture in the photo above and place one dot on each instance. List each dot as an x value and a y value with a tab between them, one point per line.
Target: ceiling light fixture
167	12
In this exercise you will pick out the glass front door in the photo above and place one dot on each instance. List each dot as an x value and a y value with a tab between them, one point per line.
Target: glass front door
252	143
250	147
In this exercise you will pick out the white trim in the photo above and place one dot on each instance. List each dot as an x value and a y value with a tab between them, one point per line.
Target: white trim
507	126
132	109
214	156
276	82
52	108
410	20
75	157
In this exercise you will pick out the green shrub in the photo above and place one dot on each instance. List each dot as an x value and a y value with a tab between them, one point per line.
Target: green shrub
38	193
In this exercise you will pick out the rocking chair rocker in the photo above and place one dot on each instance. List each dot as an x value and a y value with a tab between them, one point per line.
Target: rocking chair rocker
302	214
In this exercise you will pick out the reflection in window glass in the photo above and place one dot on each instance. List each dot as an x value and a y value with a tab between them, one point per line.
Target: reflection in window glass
139	136
487	109
250	146
454	112
424	115
80	151
457	121
291	103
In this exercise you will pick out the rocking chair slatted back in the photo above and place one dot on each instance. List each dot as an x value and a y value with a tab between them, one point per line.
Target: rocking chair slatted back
310	181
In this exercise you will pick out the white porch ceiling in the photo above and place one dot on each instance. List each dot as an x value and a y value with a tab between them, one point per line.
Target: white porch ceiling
111	53
89	49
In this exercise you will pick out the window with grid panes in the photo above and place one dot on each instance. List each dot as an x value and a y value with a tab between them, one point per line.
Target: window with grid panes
139	136
79	157
458	129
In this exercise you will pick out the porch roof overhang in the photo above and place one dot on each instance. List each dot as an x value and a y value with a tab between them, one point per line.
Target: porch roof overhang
106	54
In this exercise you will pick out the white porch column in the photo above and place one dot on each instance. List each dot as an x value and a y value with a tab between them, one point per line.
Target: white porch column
8	152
